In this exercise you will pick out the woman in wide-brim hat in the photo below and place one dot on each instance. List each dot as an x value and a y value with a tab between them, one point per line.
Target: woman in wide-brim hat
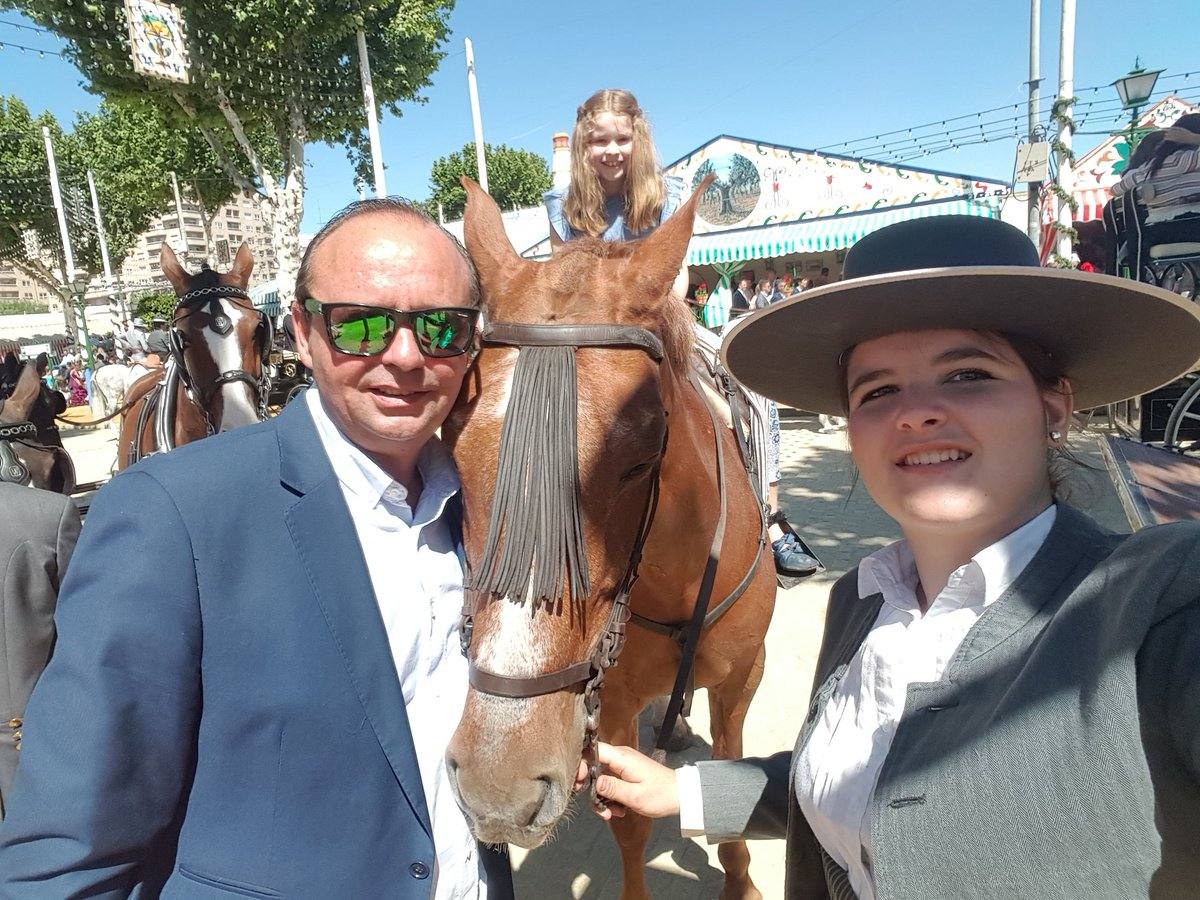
1007	701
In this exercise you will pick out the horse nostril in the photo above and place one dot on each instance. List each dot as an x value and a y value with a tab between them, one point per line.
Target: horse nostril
543	789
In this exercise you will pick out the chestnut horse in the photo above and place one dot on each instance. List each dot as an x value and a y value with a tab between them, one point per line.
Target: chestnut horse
215	379
569	476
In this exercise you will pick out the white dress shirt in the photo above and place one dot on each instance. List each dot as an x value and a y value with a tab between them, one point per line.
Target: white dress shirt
415	571
838	769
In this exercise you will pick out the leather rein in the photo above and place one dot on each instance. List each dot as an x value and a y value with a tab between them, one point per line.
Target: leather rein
588	674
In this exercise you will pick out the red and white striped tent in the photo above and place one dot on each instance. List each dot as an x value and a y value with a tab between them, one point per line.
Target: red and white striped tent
1101	167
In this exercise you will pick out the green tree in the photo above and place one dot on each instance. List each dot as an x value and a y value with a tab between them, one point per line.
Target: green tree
28	227
266	78
516	178
129	148
159	303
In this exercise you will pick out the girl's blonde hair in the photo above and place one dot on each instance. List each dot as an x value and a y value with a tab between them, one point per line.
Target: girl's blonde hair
644	191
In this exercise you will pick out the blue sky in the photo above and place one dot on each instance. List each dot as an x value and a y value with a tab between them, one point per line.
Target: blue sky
808	74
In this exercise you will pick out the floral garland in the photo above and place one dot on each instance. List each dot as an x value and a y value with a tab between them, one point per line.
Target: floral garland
1060	118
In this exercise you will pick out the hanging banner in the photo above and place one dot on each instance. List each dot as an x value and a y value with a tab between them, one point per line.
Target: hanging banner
156	39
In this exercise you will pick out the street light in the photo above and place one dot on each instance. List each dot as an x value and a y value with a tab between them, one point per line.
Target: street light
1135	89
79	286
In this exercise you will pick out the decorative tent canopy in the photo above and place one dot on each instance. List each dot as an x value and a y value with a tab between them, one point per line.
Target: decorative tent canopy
833	233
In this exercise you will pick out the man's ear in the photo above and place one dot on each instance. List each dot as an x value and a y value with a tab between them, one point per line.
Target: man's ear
302	321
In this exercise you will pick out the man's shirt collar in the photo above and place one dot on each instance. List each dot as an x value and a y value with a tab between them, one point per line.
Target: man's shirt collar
366	480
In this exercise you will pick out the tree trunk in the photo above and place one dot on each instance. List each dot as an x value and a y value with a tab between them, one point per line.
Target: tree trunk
287	208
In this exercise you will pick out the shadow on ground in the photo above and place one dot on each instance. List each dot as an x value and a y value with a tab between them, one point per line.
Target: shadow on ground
582	860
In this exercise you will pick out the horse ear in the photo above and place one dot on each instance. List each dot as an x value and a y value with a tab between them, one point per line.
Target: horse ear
243	265
176	274
25	391
658	258
486	241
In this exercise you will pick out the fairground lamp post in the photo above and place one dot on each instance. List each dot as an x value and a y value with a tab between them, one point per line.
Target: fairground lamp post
79	288
1135	90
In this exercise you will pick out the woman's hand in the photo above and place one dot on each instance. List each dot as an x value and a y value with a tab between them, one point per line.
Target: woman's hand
633	781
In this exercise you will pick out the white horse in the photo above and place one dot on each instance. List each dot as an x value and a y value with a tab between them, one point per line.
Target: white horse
111	382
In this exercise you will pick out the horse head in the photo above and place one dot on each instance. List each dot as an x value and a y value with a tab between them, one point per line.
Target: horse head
219	340
559	435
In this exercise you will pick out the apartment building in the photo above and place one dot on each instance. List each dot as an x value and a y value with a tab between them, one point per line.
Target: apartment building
15	285
242	220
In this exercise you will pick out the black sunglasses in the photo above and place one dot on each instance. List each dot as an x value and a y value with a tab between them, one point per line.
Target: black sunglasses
359	330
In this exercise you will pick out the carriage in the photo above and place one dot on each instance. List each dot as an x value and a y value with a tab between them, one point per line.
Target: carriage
1153	455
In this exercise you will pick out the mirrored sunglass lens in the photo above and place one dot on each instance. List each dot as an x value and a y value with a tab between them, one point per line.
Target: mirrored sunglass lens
441	331
358	332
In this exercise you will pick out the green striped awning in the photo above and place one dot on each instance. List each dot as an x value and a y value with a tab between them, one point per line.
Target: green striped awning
835	233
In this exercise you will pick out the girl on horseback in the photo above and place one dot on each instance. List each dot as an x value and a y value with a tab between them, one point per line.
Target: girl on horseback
618	193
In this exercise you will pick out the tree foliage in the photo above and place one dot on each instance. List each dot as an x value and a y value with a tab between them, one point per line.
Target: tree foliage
159	303
129	148
516	178
267	78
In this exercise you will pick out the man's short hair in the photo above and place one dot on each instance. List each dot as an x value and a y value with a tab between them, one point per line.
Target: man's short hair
395	206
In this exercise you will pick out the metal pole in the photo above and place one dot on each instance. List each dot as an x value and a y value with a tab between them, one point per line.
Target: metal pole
68	257
115	306
476	118
1034	220
183	249
364	70
1066	90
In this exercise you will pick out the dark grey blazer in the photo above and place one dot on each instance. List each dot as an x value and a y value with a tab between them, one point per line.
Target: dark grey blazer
38	531
1059	755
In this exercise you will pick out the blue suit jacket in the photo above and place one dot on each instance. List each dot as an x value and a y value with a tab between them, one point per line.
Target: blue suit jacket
221	715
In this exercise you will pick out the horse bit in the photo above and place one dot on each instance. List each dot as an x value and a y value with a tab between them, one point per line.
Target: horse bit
590	672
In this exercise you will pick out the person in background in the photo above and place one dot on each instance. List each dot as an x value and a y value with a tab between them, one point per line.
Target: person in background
158	341
1005	701
805	284
38	531
743	296
76	386
764	293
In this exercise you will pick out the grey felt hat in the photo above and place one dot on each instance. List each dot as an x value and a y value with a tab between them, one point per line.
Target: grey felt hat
1114	338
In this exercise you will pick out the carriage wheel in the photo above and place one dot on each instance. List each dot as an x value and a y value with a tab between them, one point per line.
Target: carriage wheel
1180	278
1185	414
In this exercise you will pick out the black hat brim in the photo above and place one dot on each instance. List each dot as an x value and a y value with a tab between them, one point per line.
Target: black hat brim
1113	338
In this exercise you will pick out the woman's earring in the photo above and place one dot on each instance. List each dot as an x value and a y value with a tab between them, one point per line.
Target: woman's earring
1056	436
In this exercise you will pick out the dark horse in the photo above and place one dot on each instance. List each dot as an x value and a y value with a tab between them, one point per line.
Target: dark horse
215	378
31	451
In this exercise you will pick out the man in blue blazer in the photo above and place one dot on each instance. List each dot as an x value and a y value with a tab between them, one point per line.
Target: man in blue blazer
257	668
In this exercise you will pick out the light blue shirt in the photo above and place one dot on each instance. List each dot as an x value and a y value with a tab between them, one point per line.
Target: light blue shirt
614	212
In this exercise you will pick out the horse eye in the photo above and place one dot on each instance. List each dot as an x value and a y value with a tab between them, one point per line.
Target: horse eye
639	469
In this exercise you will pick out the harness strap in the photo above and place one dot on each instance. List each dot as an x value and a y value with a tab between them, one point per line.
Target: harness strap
514	334
535	686
691	642
17	429
12	470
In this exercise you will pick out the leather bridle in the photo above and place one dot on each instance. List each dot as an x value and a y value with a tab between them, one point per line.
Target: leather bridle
210	298
587	675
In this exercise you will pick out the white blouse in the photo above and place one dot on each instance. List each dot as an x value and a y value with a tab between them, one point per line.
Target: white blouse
838	769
